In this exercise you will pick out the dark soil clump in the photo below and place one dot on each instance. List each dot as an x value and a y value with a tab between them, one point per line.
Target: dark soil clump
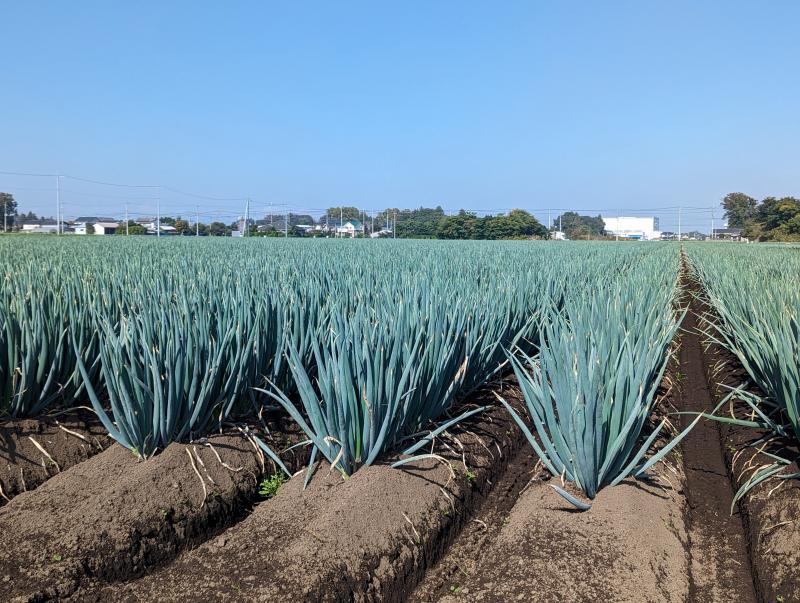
113	517
34	450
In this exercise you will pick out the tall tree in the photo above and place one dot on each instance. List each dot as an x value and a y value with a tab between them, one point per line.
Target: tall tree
9	206
345	212
773	213
739	209
183	227
576	226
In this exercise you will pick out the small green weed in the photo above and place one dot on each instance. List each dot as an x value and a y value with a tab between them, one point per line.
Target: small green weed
270	486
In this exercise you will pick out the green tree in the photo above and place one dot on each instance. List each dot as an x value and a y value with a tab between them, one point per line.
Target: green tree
739	209
9	206
333	213
90	229
463	225
134	229
773	213
218	229
421	223
522	225
576	226
182	227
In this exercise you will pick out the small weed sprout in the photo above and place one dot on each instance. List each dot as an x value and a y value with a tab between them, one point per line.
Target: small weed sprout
270	486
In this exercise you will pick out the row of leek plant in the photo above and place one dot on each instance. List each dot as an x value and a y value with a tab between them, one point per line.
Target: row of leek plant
382	373
375	339
590	390
755	301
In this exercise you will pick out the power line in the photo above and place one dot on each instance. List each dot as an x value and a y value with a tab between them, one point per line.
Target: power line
110	183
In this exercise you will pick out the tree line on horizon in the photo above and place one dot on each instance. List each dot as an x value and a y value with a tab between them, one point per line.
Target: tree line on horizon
771	219
419	223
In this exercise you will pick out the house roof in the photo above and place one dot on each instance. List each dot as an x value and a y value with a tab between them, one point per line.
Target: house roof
93	219
38	222
107	224
356	224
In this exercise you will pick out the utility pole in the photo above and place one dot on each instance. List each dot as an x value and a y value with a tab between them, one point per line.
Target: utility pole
58	204
197	220
127	229
246	217
286	226
712	224
394	226
158	210
679	223
5	214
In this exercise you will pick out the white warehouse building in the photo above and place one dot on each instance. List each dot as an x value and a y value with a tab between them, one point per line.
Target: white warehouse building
628	227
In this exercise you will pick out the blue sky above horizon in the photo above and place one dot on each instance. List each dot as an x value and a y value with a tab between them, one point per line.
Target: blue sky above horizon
628	106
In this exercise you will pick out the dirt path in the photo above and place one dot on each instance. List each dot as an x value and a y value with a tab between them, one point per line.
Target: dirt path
720	567
461	559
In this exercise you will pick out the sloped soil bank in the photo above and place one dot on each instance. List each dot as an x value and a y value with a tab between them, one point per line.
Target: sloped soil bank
366	538
771	511
33	450
629	547
112	516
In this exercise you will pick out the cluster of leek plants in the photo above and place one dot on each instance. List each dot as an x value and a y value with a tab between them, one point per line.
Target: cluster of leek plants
396	359
365	343
754	296
37	365
589	392
171	370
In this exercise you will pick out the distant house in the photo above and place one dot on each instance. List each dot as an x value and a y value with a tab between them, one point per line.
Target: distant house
629	227
152	226
99	227
42	225
106	228
351	228
727	234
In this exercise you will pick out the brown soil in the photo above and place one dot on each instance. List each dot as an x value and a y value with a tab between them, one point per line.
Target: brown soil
629	547
720	565
113	516
367	538
23	466
771	510
463	558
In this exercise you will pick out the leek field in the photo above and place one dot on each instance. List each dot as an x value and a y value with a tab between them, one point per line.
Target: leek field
330	360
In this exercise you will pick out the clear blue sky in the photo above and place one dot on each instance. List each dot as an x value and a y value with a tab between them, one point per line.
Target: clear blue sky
626	105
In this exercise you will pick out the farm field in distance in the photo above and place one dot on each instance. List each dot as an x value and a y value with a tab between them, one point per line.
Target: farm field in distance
264	419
